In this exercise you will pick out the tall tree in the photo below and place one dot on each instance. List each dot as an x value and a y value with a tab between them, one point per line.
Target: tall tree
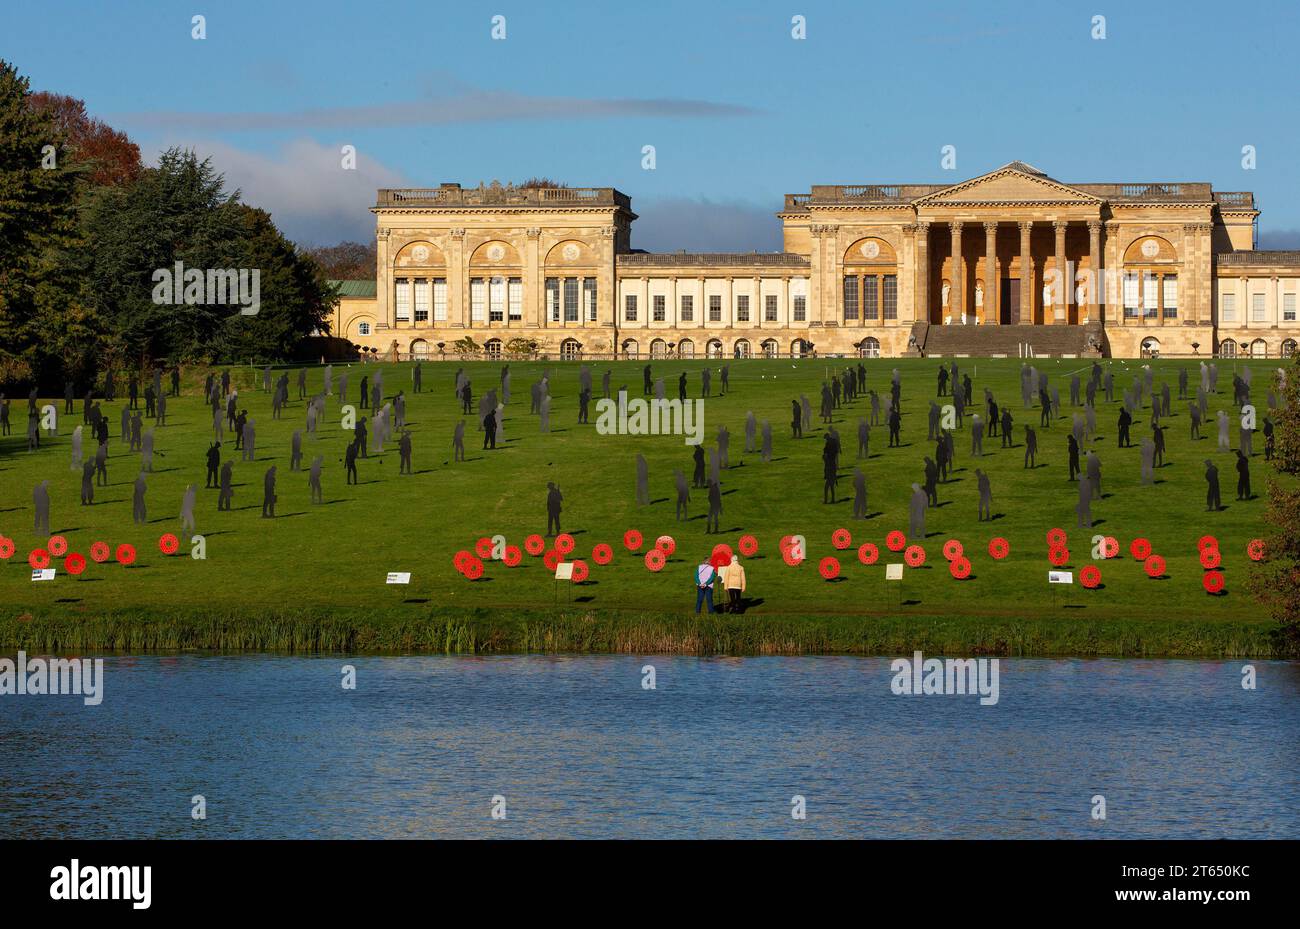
110	157
347	261
1276	581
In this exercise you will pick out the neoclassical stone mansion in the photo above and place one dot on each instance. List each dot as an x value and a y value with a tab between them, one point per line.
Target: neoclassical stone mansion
1012	261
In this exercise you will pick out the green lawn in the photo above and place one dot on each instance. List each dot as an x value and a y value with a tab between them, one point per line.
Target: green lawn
315	557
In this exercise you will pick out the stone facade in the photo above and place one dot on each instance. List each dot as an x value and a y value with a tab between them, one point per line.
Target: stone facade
865	270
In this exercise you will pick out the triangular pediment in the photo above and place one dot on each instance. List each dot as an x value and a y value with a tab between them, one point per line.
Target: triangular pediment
1013	183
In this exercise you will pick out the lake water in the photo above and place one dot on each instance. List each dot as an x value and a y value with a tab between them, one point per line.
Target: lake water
577	747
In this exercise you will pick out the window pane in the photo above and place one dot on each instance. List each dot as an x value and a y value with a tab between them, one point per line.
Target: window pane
850	298
688	308
660	312
870	297
1228	307
403	300
890	296
497	295
715	308
477	299
422	301
1258	308
629	308
769	311
800	309
440	299
553	298
570	299
516	298
742	308
589	296
1171	296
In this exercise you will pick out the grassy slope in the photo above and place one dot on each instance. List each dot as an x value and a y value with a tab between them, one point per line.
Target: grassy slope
316	562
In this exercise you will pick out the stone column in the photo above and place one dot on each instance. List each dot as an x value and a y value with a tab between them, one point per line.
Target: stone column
1094	268
383	292
1026	275
992	290
921	311
1061	304
757	310
457	281
533	284
955	292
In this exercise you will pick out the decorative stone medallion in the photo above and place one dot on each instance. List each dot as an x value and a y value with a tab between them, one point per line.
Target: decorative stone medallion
420	254
571	252
496	252
870	250
1150	248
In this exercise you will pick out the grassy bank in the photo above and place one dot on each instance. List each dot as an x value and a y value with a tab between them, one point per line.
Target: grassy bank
485	632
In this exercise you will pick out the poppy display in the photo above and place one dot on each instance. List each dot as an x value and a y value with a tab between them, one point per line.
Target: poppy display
1212	581
723	550
841	538
896	541
58	546
1111	547
868	553
6	548
953	549
790	556
462	558
829	567
580	571
632	540
718	559
564	543
474	570
1090	576
601	553
552	559
99	552
1058	556
666	544
1155	566
1255	550
512	556
1056	538
1210	558
914	556
1206	541
483	547
959	567
74	564
168	543
655	559
534	545
1140	549
748	546
39	559
999	548
125	554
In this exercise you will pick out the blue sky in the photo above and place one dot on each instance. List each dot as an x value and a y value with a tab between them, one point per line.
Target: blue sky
739	112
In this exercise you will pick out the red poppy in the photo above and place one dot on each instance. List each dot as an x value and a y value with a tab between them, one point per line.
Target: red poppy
58	546
126	553
483	547
1155	566
552	559
512	556
748	546
601	553
168	543
999	548
841	538
1210	558
632	540
914	556
39	558
1058	556
654	559
959	567
6	548
718	559
534	545
790	557
474	570
1090	576
868	553
1111	549
564	543
1056	538
99	552
1255	549
1212	581
952	549
1206	541
896	541
74	564
580	571
666	544
461	559
1140	549
829	567
786	542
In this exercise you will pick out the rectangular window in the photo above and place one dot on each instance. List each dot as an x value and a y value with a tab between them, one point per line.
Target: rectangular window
1228	308
497	299
440	299
715	308
589	297
477	299
516	298
403	311
1258	308
850	298
889	296
1288	308
1150	294
769	308
1171	296
742	308
553	299
629	308
422	301
800	309
1130	294
870	301
688	308
570	299
660	308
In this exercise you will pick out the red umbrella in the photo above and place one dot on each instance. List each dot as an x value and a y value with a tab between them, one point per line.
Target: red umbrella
39	559
666	544
1212	581
580	571
999	548
99	552
868	553
58	546
1155	566
952	549
601	553
564	543
1090	576
74	564
914	556
632	540
829	567
1255	549
896	541
168	543
959	567
841	538
126	554
1140	549
534	545
748	546
512	556
654	559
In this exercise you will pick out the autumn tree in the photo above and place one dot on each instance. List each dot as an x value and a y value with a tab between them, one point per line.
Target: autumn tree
111	159
347	261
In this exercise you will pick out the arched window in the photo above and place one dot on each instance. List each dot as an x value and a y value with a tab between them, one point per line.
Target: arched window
492	348
1288	347
870	282
630	348
799	348
771	348
570	350
1259	349
714	348
685	349
1227	349
363	328
419	349
869	347
740	349
658	348
1150	347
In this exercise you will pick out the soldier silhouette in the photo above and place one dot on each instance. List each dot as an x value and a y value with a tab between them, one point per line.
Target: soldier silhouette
227	492
458	441
931	482
706	382
698	475
986	496
642	481
859	494
1008	440
88	483
490	430
1212	499
359	435
751	432
714	521
41	505
1158	450
187	513
350	460
554	501
214	462
101	464
916	513
796	421
864	438
1194	413
1031	447
895	428
1073	445
584	400
313	480
138	511
976	436
404	452
726	378
766	453
683	494
1243	476
1125	421
268	493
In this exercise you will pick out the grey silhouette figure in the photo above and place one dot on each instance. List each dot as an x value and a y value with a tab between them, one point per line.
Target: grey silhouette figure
311	418
806	407
1093	472
726	378
490	430
501	422
546	414
931	485
859	494
138	511
767	442
751	432
377	393
380	425
146	451
350	460
101	464
76	449
683	494
916	513
137	425
1243	477
976	436
864	438
250	434
1224	441
933	421
1194	414
33	432
226	493
706	382
343	387
604	385
554	502
187	513
161	407
268	493
41	504
1083	509
642	481
714	522
295	451
458	441
1247	441
697	477
1074	390
715	466
659	389
1031	447
328	385
986	496
1158	441
1090	420
1148	454
724	447
313	480
1212	499
88	483
535	404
